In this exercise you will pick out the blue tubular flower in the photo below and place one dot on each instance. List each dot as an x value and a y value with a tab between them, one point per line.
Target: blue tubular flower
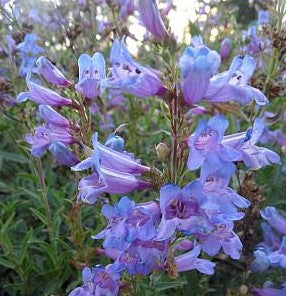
91	72
150	16
232	85
113	172
274	219
221	201
51	73
205	145
222	237
29	51
111	159
190	261
108	181
143	257
55	129
40	141
197	65
130	77
181	210
253	156
128	222
42	95
99	281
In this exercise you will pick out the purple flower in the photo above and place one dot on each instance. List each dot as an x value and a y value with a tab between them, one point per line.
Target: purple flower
197	65
113	172
52	118
269	291
278	257
151	18
184	245
190	261
271	240
256	44
143	257
274	219
233	84
42	95
253	156
128	222
55	129
43	137
40	140
222	237
111	159
108	181
130	77
206	147
181	210
98	282
221	201
51	73
29	51
225	48
263	17
91	72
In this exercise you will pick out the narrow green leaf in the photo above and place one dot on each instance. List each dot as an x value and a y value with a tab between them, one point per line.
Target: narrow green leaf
40	216
6	263
24	246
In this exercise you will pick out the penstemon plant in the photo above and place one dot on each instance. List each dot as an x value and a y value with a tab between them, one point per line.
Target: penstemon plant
168	216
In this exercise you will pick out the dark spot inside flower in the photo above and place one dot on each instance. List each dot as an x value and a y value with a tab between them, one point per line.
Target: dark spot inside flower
137	71
127	68
117	64
180	209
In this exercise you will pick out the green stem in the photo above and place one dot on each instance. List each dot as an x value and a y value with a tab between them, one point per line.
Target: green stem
45	197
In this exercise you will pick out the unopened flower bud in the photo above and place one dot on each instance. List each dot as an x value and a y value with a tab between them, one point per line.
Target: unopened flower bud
63	154
51	73
150	16
225	48
115	142
243	289
162	152
261	262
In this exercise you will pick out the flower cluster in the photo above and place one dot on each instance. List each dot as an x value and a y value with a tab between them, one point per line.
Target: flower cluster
195	208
